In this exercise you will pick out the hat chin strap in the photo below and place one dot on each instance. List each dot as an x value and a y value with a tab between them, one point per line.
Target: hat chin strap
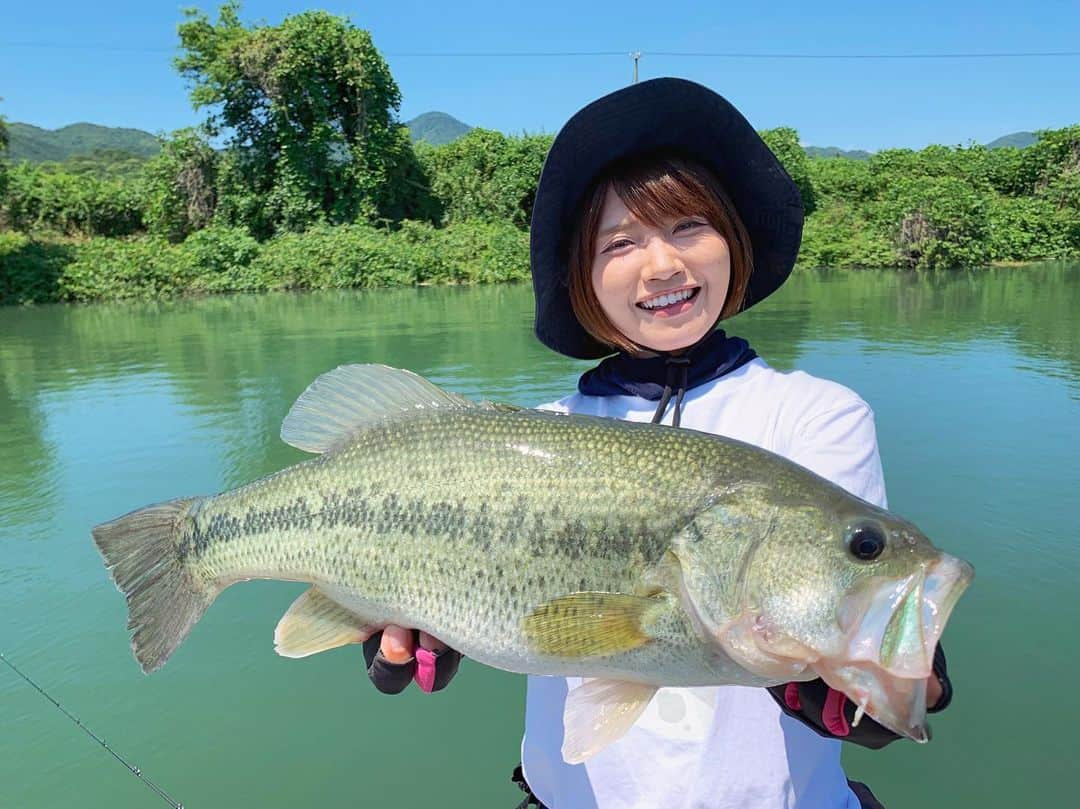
678	365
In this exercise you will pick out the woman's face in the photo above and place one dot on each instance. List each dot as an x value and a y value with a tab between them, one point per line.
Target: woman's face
662	287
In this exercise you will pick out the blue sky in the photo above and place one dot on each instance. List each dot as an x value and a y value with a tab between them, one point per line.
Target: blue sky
110	62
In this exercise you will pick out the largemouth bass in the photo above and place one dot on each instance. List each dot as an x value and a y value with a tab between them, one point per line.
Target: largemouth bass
639	555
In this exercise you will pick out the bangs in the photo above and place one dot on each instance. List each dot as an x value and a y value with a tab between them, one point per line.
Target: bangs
657	191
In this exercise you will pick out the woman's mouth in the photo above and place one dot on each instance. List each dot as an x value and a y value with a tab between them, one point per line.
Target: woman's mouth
672	303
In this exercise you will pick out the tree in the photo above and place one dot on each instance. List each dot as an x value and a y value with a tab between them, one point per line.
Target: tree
784	143
179	186
308	110
3	158
486	175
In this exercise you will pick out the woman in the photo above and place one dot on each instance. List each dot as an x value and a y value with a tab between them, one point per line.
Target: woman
660	212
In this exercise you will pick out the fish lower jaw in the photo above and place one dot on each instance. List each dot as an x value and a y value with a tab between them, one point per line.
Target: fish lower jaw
898	703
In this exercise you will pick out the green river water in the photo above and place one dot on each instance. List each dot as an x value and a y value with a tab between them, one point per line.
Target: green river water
974	377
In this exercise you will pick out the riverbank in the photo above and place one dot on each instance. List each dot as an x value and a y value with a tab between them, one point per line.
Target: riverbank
228	259
51	268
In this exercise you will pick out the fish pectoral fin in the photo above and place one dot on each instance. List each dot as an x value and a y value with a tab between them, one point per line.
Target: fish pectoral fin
598	712
344	401
593	624
315	623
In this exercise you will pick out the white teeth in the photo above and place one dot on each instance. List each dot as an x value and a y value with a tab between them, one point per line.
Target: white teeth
859	713
667	299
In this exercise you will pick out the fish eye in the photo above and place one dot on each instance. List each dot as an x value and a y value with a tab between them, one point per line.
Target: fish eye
866	542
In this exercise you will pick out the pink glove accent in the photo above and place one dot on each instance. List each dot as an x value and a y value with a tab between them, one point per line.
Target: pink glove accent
791	696
833	714
425	669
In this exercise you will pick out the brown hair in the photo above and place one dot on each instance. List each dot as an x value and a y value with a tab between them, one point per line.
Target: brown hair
654	187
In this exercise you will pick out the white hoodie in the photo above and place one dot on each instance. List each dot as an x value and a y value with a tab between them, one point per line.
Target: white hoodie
729	747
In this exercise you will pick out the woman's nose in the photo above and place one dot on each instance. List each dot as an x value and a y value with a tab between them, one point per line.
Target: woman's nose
662	260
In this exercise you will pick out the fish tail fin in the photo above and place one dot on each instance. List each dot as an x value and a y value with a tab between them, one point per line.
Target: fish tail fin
165	598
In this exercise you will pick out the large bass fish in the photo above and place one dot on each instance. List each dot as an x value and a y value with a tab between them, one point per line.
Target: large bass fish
639	555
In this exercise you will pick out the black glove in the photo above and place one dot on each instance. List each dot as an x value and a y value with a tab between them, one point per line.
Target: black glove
431	670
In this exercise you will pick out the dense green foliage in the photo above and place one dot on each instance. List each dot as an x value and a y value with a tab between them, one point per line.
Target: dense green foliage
486	175
43	198
228	259
35	144
942	207
3	158
302	177
784	142
307	109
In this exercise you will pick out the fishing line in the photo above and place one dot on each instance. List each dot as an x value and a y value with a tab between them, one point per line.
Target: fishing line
161	793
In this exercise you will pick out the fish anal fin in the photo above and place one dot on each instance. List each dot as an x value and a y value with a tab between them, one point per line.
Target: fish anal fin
591	624
598	712
315	623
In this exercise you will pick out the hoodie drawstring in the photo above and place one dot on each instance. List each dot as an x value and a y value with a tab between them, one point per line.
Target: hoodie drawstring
676	366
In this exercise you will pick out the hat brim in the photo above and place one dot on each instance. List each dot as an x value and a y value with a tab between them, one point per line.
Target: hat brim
660	114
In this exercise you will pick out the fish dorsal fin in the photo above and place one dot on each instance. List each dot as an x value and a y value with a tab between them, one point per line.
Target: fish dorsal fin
343	401
597	713
315	623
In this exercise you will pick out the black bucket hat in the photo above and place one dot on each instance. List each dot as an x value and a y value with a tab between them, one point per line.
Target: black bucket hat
659	114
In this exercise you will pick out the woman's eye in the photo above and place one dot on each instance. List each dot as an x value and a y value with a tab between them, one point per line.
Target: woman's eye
689	225
615	245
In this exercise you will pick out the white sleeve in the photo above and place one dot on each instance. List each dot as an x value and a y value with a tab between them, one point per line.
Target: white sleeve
841	445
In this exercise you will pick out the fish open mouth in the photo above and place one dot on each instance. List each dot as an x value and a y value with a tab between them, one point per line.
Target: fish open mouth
893	630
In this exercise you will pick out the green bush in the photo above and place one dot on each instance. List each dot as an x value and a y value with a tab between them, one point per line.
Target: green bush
117	269
835	235
486	176
1025	228
364	256
213	260
30	268
329	257
784	143
935	222
180	186
46	198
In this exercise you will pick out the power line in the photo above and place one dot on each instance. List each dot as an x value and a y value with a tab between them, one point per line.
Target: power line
108	47
157	790
972	55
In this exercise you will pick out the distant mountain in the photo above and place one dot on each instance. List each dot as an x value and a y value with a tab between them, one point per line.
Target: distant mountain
36	145
834	151
1017	140
436	128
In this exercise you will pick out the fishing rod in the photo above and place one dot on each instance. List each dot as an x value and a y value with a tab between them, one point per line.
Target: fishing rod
138	773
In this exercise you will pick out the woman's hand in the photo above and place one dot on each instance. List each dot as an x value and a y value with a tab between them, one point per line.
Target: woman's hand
396	656
934	691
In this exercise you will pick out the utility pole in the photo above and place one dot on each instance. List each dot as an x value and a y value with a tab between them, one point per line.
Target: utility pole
635	55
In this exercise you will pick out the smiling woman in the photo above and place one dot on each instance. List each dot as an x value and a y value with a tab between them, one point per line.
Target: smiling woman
652	226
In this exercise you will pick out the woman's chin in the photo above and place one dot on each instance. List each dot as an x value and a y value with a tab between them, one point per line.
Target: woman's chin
673	338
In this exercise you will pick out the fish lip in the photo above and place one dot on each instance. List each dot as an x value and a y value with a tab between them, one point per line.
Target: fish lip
936	587
895	690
